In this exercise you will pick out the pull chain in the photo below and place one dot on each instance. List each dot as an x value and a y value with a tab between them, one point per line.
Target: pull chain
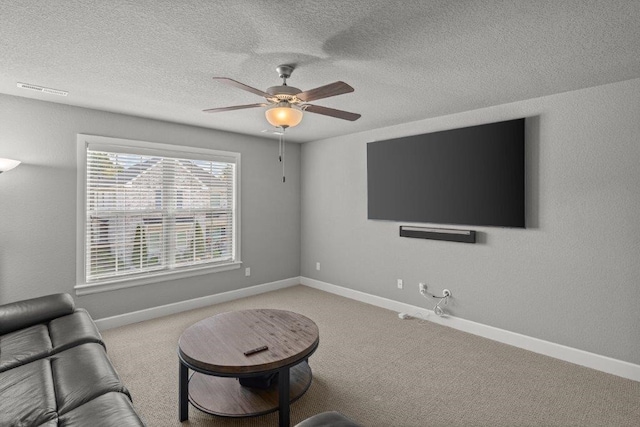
281	143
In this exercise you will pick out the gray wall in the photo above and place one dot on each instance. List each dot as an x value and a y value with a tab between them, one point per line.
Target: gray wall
572	277
38	205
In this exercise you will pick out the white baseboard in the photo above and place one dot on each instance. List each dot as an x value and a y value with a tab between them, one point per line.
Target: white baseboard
558	351
165	310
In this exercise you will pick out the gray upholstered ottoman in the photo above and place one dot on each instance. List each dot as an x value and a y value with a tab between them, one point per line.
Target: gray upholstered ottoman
328	419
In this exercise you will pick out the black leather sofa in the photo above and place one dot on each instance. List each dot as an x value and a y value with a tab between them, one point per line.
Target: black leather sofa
54	369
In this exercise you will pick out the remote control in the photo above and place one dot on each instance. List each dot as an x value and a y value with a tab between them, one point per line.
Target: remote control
255	350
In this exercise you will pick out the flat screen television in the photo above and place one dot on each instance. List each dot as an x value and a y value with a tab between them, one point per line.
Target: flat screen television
468	176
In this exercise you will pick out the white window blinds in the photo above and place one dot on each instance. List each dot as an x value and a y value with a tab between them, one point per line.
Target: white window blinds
150	211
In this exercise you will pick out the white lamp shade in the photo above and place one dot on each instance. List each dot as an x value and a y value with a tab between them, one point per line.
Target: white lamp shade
8	164
283	116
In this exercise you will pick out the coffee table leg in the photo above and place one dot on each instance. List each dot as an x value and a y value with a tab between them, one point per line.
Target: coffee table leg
283	397
183	392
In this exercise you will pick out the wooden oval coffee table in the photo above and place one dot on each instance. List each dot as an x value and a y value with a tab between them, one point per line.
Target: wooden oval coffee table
215	349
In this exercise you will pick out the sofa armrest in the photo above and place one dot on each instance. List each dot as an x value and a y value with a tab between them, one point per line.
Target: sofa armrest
328	419
22	314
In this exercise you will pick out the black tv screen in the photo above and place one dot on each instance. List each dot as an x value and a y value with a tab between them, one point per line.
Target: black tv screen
469	176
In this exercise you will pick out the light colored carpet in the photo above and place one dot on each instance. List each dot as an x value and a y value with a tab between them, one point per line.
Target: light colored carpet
383	371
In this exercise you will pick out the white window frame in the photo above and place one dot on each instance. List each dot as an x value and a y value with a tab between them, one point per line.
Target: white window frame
84	288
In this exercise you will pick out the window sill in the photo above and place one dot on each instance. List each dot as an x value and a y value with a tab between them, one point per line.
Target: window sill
122	283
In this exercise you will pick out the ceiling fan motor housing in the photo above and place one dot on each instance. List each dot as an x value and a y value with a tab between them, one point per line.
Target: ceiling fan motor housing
283	93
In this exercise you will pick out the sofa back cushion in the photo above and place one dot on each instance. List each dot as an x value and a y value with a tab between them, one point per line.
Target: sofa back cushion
27	395
24	346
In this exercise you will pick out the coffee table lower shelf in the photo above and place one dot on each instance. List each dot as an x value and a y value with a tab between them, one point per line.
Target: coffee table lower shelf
225	397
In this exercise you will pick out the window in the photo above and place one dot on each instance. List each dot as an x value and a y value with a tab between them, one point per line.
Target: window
153	211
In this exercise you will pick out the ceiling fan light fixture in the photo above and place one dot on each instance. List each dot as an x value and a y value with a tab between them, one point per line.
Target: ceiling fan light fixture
8	164
284	116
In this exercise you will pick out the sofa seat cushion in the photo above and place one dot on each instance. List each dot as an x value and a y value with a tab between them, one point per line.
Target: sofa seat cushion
108	410
27	395
81	374
73	329
42	340
23	346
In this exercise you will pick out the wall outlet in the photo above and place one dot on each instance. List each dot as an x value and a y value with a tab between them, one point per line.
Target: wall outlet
422	287
400	284
318	266
247	271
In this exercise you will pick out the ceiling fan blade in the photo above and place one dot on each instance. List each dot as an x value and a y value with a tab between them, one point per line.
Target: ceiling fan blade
345	115
235	107
332	89
242	86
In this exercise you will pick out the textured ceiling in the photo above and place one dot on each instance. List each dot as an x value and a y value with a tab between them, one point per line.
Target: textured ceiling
407	60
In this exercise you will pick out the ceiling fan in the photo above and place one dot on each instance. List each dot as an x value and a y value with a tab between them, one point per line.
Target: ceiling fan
288	102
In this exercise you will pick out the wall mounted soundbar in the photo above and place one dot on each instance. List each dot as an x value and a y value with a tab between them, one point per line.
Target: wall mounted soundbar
449	234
